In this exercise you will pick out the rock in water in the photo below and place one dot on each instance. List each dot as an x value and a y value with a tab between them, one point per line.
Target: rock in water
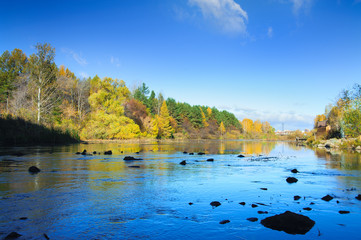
12	235
252	219
215	204
108	152
294	170
343	212
241	156
296	197
242	203
130	158
289	222
291	180
201	153
33	169
327	198
224	221
183	162
358	197
210	160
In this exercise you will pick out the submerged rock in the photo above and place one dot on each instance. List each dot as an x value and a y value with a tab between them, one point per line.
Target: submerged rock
224	221
201	153
183	162
254	205
262	212
252	219
327	198
294	170
289	222
33	169
134	166
23	218
190	203
241	156
242	203
263	188
210	160
343	212
130	158
12	235
191	153
307	208
108	152
215	204
297	197
358	197
291	180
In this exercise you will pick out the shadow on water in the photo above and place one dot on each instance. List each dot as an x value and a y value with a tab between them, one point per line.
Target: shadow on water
15	131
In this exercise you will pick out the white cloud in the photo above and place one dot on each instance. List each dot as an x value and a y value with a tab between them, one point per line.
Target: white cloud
226	14
115	61
77	57
291	120
299	5
270	32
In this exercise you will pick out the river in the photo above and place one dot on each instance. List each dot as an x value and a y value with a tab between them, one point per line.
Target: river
104	197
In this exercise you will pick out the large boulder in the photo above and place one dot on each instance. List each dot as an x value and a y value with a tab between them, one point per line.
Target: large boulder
289	222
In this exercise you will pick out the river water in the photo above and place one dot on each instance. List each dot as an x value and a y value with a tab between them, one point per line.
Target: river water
103	197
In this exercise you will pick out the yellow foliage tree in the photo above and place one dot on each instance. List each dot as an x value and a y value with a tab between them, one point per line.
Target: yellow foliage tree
204	120
164	127
107	120
209	112
247	125
222	129
257	126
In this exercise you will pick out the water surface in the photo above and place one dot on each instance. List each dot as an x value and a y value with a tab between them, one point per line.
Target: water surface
103	197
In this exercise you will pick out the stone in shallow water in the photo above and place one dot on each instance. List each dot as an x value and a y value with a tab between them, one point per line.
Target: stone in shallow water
12	235
183	162
33	169
296	197
294	170
242	203
289	222
291	180
210	160
343	212
215	204
241	156
327	198
358	197
224	221
130	158
252	219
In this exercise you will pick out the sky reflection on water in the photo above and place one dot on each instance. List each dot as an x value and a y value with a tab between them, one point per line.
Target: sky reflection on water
101	197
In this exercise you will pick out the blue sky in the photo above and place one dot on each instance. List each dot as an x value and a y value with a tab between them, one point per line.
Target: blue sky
280	61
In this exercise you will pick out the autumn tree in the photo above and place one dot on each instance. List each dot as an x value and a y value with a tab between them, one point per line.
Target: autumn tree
222	129
43	72
107	120
164	126
12	65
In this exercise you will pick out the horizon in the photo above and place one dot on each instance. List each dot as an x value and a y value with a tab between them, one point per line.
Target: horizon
276	61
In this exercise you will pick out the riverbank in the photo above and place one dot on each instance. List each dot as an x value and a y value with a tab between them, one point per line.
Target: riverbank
343	143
